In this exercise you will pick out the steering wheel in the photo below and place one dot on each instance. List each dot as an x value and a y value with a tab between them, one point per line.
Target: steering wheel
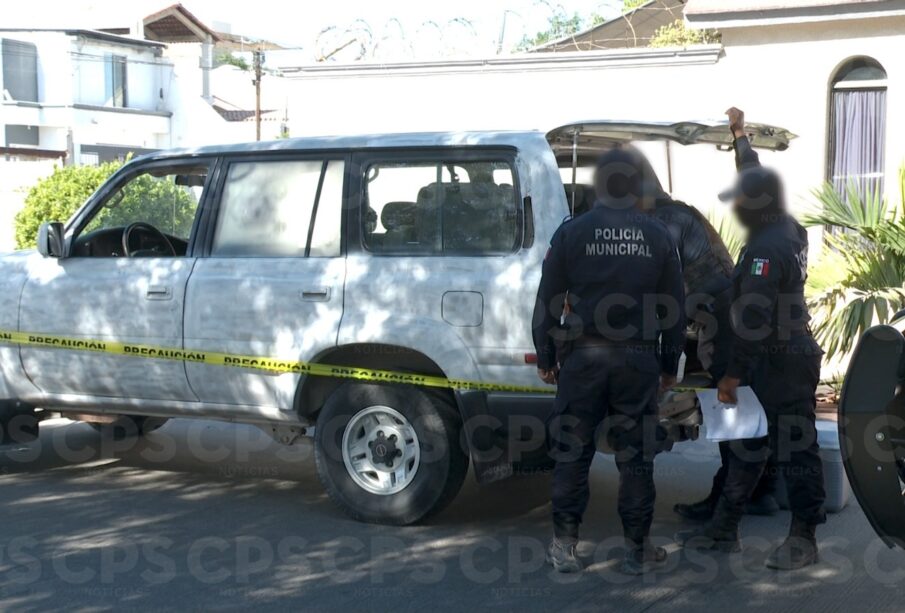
127	235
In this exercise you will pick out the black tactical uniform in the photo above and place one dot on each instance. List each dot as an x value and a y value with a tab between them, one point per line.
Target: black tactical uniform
621	270
774	350
707	269
784	365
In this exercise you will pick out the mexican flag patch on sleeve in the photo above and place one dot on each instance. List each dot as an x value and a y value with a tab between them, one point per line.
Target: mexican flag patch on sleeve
760	267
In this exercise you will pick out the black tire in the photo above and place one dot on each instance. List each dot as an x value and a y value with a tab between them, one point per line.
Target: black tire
18	423
439	475
130	425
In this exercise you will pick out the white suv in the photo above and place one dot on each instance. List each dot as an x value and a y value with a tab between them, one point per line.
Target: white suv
412	253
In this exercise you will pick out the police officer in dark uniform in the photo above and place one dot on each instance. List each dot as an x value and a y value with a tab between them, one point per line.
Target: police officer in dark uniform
626	328
774	349
707	271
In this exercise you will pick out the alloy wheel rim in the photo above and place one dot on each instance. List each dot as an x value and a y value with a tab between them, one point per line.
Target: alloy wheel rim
380	450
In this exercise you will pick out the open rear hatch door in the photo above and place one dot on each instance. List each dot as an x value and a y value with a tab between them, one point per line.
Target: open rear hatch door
872	430
588	138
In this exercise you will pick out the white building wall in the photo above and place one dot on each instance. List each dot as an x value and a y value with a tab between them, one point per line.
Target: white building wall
71	70
15	180
71	83
778	75
541	99
54	65
146	74
195	123
786	71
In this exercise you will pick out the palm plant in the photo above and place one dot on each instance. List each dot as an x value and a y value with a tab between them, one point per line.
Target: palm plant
868	235
728	230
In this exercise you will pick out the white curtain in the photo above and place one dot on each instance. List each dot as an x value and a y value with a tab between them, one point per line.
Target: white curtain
859	142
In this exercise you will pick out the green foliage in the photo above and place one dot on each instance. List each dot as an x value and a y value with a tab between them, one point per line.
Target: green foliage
630	5
233	60
866	241
827	272
154	200
57	197
560	25
676	34
729	231
158	201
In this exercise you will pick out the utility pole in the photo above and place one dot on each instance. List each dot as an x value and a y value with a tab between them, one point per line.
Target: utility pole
499	46
258	56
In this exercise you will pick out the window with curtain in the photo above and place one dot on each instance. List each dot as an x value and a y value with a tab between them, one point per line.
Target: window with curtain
858	127
20	69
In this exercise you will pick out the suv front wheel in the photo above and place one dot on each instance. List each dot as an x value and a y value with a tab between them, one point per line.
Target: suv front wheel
389	454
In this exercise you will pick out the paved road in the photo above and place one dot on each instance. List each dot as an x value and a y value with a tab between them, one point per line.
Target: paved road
214	515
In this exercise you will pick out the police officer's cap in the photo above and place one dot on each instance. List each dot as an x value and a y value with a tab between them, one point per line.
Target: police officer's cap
755	184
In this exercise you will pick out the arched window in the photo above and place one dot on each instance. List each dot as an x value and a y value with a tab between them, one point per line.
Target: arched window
857	135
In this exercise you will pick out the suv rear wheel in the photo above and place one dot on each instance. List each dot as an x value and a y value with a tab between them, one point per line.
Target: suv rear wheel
389	453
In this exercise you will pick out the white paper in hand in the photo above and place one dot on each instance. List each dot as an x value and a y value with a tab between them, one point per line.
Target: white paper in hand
722	422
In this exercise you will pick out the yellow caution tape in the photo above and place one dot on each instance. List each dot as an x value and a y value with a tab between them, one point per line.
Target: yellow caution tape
271	365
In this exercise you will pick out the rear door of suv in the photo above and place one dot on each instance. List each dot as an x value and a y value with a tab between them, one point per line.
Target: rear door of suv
436	259
270	282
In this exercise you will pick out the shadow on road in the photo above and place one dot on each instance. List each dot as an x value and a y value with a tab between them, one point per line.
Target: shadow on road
204	514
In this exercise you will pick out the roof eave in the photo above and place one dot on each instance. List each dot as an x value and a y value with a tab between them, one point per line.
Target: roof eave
779	16
95	35
195	25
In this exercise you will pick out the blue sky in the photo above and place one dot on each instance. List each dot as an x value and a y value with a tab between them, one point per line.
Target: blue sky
300	23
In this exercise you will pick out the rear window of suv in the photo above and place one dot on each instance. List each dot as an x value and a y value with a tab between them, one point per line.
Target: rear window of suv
441	208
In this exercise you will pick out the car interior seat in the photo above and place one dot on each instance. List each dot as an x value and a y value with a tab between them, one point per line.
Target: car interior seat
472	215
399	219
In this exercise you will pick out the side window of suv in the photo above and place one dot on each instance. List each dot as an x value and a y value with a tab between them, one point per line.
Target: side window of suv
441	208
281	208
151	214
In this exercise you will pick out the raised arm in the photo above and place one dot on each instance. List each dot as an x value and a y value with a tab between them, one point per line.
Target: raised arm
745	155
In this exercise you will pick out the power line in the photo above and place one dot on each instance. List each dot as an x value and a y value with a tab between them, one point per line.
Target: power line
101	59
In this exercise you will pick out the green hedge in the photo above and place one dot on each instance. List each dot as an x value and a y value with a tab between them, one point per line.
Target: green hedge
57	197
159	202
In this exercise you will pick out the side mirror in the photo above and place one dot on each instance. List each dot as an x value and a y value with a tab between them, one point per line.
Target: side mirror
50	239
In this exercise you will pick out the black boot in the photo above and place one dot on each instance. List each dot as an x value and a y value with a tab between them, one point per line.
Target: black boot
764	505
562	556
641	558
798	550
697	511
719	534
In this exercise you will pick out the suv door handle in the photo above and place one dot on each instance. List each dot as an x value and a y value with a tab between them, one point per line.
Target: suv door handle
321	294
159	292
